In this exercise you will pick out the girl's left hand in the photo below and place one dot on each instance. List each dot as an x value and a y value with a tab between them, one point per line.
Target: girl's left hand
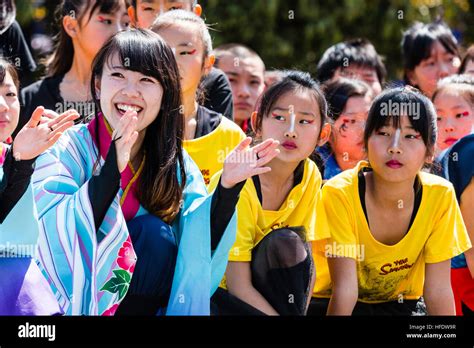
35	137
244	162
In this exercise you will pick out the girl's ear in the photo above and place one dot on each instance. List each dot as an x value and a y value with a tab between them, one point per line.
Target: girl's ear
197	10
429	159
71	26
412	78
253	122
209	63
97	88
325	134
132	15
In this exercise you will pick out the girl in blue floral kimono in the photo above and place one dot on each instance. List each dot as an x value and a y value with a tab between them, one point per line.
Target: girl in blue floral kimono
23	289
126	224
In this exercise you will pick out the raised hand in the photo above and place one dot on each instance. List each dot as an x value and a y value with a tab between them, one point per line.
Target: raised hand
244	162
125	136
39	135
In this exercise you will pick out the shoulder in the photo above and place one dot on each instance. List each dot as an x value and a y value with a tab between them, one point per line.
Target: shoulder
343	181
462	153
44	85
435	183
215	78
230	126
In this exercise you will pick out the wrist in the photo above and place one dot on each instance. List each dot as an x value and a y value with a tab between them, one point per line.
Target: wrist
225	183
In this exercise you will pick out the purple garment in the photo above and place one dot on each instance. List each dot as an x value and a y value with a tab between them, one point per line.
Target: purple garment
24	290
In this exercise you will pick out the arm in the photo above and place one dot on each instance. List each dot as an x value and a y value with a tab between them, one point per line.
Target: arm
313	277
17	175
345	287
240	164
437	290
239	284
467	207
31	141
222	208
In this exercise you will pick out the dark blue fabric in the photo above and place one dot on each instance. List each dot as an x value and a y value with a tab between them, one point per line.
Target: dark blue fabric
156	250
331	168
458	168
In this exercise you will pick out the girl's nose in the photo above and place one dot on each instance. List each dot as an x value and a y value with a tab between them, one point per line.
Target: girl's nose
130	90
291	133
3	104
449	127
395	143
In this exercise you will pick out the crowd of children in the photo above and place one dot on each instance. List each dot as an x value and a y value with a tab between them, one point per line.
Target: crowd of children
149	173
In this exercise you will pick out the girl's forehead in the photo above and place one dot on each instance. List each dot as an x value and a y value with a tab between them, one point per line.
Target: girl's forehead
7	80
450	94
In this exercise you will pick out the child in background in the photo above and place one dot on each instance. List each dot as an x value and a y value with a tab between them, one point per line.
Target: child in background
273	76
353	59
84	27
458	167
394	228
348	102
467	64
23	289
270	268
454	102
246	73
208	136
215	87
13	45
430	52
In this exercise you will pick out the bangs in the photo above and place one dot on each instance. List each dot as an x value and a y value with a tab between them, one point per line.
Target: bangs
104	6
418	42
140	55
390	106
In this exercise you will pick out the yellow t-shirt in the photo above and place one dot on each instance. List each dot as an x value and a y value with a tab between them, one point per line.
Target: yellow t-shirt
300	208
210	150
384	272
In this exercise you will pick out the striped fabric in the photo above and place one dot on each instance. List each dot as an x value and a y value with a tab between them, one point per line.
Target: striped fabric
89	277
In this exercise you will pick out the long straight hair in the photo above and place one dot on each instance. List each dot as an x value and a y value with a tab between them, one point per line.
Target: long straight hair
60	62
160	189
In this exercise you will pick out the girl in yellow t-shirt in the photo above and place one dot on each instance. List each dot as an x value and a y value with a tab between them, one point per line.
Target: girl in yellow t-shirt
208	136
394	228
271	268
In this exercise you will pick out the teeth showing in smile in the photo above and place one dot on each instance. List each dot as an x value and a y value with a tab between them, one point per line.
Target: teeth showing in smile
126	107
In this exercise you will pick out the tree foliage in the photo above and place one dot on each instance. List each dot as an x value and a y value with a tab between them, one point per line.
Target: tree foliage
294	34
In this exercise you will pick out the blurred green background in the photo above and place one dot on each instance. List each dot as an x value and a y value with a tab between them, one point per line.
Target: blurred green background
295	33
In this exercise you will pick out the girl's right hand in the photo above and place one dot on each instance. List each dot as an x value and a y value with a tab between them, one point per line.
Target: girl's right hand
124	137
39	134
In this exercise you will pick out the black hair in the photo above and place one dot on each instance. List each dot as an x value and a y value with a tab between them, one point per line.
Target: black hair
160	190
293	80
359	52
424	123
7	14
339	91
60	62
418	41
468	57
